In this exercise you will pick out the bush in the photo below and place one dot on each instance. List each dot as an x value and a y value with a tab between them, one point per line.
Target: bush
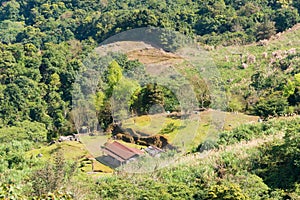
26	130
229	191
285	18
169	128
207	145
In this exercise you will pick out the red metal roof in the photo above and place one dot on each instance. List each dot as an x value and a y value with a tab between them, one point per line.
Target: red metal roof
120	151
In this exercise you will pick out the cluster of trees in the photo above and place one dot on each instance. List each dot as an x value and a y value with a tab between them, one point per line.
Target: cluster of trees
278	163
44	42
272	86
36	86
120	89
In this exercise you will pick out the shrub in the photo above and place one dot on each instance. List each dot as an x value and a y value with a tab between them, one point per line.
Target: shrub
207	145
51	177
229	191
169	128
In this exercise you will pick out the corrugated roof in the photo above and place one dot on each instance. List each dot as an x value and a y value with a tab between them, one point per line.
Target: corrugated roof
120	151
115	156
153	150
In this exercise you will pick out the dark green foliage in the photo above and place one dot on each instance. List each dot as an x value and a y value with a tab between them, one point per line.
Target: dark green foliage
292	91
273	105
274	93
66	20
169	128
285	18
207	145
278	163
149	97
265	30
296	4
105	116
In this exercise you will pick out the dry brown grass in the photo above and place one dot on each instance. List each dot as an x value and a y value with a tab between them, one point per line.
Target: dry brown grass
153	55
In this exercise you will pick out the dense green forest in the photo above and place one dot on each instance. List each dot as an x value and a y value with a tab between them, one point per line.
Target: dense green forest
43	45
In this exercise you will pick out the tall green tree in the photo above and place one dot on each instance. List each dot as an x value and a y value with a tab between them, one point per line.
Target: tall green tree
148	97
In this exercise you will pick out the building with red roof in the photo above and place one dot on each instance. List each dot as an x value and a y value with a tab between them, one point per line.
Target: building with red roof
118	154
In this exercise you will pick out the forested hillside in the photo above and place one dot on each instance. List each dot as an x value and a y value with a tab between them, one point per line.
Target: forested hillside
43	45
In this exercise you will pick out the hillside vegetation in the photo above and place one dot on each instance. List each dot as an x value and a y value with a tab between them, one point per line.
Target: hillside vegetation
47	46
44	43
265	168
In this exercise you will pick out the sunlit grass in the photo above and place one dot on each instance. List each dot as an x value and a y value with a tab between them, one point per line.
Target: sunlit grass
72	151
149	124
190	132
93	143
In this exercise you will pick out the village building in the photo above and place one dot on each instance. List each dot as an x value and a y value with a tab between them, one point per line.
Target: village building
154	151
118	154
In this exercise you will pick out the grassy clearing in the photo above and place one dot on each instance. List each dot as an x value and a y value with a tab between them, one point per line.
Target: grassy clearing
192	132
149	124
72	151
93	143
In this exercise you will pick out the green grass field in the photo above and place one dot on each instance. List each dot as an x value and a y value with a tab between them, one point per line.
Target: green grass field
72	151
93	143
192	131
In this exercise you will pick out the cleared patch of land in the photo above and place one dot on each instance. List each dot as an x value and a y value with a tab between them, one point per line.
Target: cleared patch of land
93	143
72	151
194	130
